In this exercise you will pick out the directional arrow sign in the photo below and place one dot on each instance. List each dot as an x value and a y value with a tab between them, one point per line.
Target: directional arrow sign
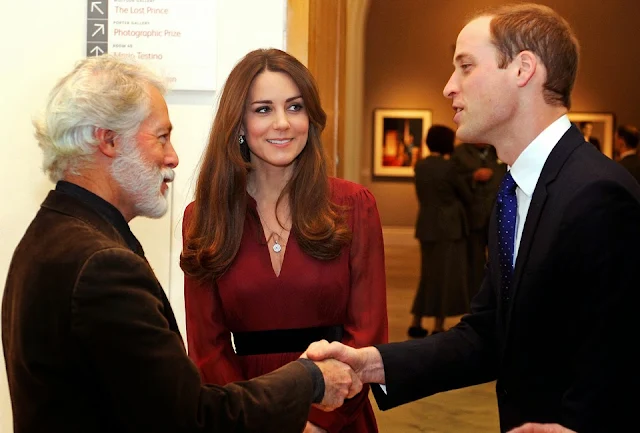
95	6
97	51
99	29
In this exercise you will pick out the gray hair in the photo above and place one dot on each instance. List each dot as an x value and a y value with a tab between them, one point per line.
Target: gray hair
101	92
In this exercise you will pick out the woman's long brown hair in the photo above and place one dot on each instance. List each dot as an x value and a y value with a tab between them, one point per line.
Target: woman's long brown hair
212	237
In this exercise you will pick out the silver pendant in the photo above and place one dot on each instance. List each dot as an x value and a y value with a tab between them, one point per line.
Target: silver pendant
276	247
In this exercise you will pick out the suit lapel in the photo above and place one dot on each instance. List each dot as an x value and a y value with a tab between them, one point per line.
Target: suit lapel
557	158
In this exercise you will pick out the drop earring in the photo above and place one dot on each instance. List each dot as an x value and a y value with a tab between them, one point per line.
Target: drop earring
241	139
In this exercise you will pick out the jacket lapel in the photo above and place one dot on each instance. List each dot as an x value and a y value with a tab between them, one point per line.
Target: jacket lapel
557	158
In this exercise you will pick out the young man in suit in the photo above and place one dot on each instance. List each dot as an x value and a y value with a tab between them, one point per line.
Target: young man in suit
90	340
555	319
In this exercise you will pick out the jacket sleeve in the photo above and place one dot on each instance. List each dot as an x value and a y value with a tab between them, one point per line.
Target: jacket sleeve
121	322
366	323
208	339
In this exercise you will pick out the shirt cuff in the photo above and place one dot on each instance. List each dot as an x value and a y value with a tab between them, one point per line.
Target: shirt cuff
316	377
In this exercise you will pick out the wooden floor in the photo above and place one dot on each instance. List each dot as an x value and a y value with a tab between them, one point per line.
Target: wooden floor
472	409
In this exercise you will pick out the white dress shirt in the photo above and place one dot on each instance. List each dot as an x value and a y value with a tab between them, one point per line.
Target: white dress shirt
527	168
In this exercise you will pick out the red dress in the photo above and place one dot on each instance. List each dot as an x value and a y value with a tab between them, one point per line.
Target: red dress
349	290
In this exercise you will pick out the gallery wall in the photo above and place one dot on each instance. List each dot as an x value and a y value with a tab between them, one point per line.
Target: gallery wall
408	60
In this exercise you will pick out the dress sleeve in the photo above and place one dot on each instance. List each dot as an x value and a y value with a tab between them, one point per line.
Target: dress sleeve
208	339
366	322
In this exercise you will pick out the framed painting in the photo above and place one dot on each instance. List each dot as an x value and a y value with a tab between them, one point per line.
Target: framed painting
597	128
398	141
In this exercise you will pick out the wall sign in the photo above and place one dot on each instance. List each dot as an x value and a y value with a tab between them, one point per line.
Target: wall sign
176	38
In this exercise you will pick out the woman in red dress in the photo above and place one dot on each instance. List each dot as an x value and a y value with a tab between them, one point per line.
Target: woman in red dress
276	254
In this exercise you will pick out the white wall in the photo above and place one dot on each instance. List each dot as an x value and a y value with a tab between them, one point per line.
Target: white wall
40	41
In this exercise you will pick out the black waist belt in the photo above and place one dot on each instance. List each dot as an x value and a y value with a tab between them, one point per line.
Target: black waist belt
283	340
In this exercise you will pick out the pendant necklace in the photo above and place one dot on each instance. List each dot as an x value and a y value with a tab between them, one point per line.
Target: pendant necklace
276	236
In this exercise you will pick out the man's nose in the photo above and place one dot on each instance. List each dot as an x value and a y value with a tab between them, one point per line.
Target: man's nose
450	88
171	158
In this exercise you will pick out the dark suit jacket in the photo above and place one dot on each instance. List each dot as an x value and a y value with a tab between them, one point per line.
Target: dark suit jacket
440	194
467	158
560	348
91	343
632	163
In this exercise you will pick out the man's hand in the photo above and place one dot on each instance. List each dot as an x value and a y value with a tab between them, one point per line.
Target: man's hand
482	174
366	362
312	428
340	382
541	428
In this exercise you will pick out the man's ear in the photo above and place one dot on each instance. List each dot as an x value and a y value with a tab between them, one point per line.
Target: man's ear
106	142
527	63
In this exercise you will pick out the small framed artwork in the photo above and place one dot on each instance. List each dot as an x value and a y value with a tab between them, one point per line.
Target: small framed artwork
398	141
597	128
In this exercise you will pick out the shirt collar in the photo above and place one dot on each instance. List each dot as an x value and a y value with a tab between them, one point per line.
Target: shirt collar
527	168
627	153
105	209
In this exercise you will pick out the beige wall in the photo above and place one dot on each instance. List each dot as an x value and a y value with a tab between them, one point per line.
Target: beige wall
408	50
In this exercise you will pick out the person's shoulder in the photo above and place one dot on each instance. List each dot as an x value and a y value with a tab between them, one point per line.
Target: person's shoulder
421	162
346	192
344	187
78	233
463	148
424	163
630	161
67	243
189	210
589	170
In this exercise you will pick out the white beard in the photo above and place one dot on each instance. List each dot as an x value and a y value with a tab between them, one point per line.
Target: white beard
141	181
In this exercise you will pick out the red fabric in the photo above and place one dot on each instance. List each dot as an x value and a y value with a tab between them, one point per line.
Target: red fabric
349	290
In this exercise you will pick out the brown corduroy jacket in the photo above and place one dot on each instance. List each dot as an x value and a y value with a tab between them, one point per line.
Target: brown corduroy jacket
91	343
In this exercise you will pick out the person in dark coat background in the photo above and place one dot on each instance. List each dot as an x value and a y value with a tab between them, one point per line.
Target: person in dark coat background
479	167
627	147
442	230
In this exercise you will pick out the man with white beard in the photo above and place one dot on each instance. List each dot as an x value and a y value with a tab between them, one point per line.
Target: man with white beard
90	340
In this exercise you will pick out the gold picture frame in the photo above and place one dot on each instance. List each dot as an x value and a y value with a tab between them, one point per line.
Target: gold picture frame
398	141
601	130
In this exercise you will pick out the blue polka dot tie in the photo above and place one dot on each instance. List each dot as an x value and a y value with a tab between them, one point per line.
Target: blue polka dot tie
507	207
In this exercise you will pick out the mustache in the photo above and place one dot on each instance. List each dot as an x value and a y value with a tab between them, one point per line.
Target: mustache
168	174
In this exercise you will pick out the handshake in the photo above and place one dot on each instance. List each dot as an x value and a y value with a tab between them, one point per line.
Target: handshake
344	370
